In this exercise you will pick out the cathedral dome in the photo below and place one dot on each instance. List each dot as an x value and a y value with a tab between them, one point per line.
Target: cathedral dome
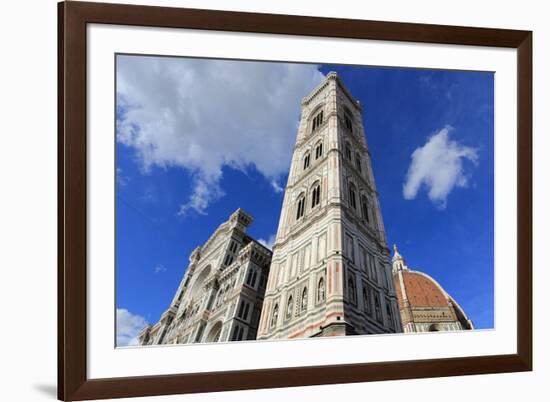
423	304
422	290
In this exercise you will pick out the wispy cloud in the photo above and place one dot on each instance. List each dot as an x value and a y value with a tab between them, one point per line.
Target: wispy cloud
204	115
276	187
269	242
159	268
438	167
128	327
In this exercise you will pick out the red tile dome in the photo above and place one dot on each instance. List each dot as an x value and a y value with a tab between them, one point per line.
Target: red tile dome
422	291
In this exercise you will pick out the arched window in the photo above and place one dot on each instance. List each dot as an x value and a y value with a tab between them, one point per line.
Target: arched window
306	161
352	192
321	290
366	300
315	195
377	308
274	315
348	121
300	207
358	162
365	208
352	292
251	277
289	307
348	152
319	150
304	300
317	121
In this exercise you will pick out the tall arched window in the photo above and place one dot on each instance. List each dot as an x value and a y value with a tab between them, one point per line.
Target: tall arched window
319	150
317	121
304	300
315	195
365	208
289	307
306	161
352	292
321	290
300	207
348	152
274	315
348	121
352	192
377	308
358	162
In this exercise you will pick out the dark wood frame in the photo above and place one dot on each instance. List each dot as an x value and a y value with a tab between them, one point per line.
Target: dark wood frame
73	383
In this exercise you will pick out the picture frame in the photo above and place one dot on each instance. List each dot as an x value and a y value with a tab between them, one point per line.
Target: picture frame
73	18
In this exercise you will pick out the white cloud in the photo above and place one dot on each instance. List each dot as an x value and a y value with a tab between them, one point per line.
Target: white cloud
128	327
276	187
159	268
269	242
438	167
203	115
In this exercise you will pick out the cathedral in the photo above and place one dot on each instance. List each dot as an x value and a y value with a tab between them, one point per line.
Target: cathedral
220	296
330	272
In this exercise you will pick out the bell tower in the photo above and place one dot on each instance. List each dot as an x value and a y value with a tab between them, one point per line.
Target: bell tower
330	273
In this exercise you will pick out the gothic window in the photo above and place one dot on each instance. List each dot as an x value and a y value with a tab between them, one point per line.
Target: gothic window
274	315
228	259
301	207
366	300
304	300
253	280
321	290
358	162
251	277
365	208
317	121
352	292
315	195
241	309
319	150
289	307
306	161
348	122
348	152
352	192
233	247
377	308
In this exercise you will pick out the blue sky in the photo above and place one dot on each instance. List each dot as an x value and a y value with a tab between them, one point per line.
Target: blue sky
197	139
